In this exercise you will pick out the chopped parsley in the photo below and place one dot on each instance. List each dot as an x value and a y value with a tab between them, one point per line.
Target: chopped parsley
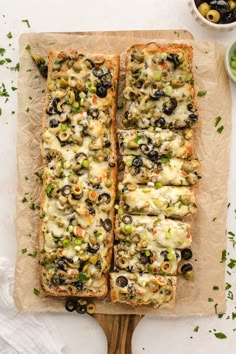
232	263
210	299
3	91
215	287
9	35
166	157
14	88
220	335
214	219
196	329
49	189
2	61
228	286
230	295
223	256
217	121
2	51
27	110
201	93
82	277
0	111
42	216
36	292
220	129
39	175
26	178
27	22
33	255
24	250
15	68
24	200
233	315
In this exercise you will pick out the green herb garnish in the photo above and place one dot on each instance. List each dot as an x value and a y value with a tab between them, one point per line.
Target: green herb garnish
9	35
220	335
223	256
196	329
220	129
33	255
217	121
27	22
201	93
82	277
36	292
24	250
24	200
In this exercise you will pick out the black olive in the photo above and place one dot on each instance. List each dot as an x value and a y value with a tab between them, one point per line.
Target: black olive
222	6
49	110
156	95
104	197
79	285
160	123
145	148
98	72
90	63
112	164
186	268
44	71
139	84
168	107
153	155
159	166
81	266
127	219
70	305
101	91
77	95
107	84
53	123
106	224
92	211
126	115
137	162
190	107
89	202
143	258
174	59
76	196
54	104
193	117
94	113
121	166
66	190
98	265
71	218
107	144
85	131
57	281
164	254
60	264
122	281
81	309
93	249
106	77
186	254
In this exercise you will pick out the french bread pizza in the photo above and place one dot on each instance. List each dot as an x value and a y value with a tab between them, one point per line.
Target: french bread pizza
79	174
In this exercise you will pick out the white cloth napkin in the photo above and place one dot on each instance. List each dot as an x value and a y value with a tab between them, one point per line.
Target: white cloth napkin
23	333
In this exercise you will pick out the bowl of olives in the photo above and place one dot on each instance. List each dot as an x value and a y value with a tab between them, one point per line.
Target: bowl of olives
217	14
230	61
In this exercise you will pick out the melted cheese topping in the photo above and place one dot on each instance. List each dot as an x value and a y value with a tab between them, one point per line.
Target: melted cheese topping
79	154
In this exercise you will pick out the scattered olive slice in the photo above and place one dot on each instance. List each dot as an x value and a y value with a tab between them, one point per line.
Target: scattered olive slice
91	308
66	190
186	268
70	305
80	309
122	281
186	254
104	197
93	249
137	162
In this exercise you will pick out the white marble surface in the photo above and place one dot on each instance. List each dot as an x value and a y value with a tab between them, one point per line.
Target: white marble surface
82	334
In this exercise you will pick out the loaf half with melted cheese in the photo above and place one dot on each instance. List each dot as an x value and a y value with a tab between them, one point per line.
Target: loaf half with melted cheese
79	174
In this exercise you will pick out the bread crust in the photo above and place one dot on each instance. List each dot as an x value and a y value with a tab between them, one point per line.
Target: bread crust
112	63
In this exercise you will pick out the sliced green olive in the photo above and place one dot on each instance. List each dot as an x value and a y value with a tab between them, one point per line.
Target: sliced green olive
77	67
64	135
176	83
122	262
204	8
63	82
213	16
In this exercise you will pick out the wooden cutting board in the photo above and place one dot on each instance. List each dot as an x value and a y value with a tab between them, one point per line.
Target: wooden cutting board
119	328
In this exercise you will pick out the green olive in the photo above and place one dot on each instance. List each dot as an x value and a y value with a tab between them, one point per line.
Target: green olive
232	4
233	64
213	16
204	8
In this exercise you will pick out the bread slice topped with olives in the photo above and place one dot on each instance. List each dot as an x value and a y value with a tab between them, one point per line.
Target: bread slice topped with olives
79	176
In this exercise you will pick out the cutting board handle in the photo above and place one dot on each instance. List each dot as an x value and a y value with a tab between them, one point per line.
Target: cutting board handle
119	330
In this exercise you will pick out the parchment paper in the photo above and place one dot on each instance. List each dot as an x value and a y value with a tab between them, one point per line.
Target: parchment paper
212	149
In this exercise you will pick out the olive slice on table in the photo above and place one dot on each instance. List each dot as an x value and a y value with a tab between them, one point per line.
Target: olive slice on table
127	219
70	305
91	308
186	268
122	281
186	254
81	309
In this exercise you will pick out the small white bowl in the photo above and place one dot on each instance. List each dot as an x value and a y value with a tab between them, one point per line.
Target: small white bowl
230	51
204	22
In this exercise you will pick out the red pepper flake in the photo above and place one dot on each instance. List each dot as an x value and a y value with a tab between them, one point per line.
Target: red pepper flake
188	236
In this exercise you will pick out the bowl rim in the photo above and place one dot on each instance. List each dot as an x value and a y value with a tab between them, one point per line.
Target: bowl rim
227	60
208	23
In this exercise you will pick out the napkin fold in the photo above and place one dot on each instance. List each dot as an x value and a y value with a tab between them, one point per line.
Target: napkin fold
23	333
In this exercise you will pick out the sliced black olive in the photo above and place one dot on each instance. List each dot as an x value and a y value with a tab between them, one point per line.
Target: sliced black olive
60	264
190	107
186	268
94	113
193	117
77	95
98	265
54	104
66	190
50	111
76	196
70	305
81	309
174	59
106	224
79	285
101	91
143	258
104	197
186	254
139	84
71	218
145	148
168	107
164	254
98	72
81	266
156	95
127	219
112	164
80	156
153	155
53	123
122	281
137	162
121	165
107	144
90	63
160	123
107	84
92	211
44	70
57	281
88	202
93	249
